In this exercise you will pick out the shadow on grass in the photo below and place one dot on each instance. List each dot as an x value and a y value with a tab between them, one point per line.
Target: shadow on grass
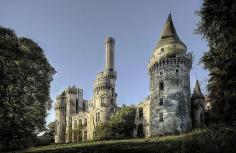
198	141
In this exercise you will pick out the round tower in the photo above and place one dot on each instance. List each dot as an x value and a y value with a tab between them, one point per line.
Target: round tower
71	93
60	110
104	100
169	69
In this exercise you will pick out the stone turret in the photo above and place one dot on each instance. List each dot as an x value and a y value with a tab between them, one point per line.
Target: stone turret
104	100
60	109
197	100
169	69
71	93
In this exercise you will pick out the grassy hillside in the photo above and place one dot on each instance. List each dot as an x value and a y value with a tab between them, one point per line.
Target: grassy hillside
217	140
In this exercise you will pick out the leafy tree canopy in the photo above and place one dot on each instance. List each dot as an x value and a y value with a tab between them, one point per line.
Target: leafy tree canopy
25	76
218	27
120	125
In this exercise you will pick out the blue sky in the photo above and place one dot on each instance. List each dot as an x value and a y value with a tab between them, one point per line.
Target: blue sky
72	34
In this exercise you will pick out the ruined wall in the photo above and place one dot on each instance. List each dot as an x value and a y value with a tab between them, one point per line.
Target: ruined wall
80	126
142	119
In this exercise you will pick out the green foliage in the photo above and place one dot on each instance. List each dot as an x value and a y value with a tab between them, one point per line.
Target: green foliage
51	128
218	27
25	77
50	132
48	136
120	125
103	131
216	139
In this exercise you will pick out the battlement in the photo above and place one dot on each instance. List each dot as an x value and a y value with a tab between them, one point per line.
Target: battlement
71	90
178	60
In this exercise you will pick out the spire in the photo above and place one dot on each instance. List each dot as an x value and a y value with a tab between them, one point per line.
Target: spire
169	29
169	34
197	88
197	93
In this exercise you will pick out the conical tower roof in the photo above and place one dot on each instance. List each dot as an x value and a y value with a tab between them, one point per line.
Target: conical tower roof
169	45
169	35
197	87
197	93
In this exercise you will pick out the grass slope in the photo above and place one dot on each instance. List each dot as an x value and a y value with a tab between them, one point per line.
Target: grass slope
198	141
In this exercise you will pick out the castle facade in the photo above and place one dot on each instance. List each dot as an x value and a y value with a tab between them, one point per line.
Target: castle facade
168	109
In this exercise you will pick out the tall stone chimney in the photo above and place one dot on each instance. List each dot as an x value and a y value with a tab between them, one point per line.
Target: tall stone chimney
110	43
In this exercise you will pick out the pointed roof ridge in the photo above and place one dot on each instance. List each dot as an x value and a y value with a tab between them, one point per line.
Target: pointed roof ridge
169	28
169	33
197	87
197	93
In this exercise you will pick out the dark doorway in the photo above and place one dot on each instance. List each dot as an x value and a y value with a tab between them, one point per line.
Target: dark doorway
80	136
140	133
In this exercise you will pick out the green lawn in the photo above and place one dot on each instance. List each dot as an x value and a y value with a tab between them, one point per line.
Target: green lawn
198	141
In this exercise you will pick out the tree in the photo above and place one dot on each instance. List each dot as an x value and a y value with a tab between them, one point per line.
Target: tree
48	136
103	131
25	77
50	131
218	27
120	125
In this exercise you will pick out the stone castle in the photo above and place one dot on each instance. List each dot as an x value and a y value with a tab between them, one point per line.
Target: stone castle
170	108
